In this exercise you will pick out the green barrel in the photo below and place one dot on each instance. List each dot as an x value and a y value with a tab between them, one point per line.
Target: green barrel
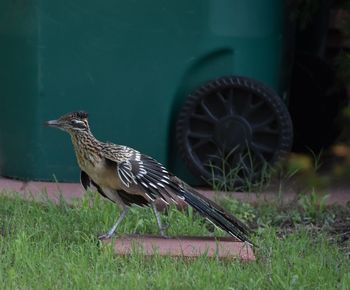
129	64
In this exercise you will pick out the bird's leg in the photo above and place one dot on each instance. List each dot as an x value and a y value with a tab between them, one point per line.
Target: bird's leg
162	228
112	230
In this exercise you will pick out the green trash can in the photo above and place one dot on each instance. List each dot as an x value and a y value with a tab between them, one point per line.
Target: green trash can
130	64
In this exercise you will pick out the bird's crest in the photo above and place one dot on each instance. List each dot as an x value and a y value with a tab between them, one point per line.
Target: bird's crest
79	114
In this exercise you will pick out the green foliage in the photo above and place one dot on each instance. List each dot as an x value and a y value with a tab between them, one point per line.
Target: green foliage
244	174
48	246
243	211
313	204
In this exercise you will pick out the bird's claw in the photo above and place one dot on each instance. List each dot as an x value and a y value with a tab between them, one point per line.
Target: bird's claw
164	236
105	236
163	230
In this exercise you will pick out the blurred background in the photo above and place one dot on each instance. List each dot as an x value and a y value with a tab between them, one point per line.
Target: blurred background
219	91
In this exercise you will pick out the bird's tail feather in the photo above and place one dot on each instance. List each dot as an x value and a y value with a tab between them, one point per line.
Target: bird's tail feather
217	215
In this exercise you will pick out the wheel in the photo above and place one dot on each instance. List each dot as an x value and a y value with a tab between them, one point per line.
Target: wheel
230	128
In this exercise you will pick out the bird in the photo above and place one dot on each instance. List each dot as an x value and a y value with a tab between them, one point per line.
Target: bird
127	177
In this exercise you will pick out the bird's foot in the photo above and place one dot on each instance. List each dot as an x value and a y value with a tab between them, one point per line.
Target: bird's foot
105	236
165	236
163	231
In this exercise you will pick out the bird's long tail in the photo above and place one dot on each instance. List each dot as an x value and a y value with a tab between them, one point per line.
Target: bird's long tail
217	215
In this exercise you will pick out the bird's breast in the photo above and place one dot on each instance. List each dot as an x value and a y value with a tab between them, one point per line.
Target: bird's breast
100	172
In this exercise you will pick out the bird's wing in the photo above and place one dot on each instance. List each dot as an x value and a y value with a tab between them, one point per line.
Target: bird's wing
85	179
152	178
140	174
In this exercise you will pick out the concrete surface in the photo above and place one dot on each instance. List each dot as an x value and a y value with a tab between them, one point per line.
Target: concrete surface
69	191
189	247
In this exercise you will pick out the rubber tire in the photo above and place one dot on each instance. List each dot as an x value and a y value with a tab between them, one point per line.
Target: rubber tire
244	86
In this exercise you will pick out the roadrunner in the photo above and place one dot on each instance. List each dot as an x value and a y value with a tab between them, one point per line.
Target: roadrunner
126	177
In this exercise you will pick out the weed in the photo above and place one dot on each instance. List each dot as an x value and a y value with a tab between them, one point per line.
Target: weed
239	171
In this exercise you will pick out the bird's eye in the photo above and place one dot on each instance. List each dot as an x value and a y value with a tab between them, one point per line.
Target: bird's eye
78	124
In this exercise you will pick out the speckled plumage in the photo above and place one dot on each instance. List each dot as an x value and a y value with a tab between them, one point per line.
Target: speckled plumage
127	177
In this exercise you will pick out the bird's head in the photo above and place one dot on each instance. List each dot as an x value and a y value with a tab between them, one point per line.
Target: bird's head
72	123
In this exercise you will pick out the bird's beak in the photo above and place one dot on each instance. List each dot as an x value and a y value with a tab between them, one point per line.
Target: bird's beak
53	123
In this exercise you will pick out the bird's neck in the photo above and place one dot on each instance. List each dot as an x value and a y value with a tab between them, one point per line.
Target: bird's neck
87	148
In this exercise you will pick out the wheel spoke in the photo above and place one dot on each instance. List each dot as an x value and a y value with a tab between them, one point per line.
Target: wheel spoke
204	118
228	103
221	97
207	110
256	107
263	123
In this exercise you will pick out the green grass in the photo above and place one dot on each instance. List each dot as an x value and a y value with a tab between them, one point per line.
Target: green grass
45	246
